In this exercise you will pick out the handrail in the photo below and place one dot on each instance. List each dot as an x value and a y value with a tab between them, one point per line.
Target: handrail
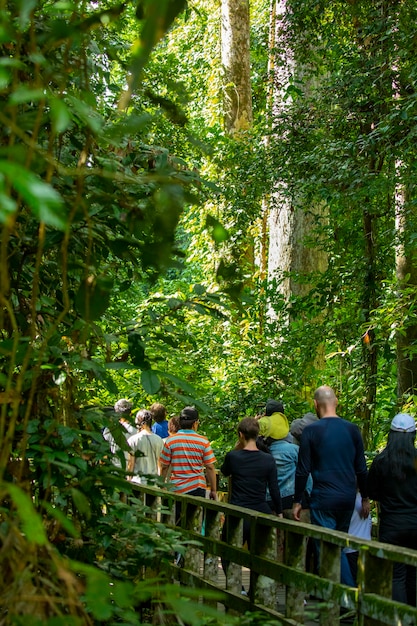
370	600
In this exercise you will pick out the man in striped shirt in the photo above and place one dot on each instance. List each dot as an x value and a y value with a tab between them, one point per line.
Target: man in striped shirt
187	454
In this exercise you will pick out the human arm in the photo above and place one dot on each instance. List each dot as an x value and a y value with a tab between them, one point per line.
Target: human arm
129	428
131	465
273	487
374	481
303	469
165	461
366	508
226	468
212	480
164	471
362	476
296	511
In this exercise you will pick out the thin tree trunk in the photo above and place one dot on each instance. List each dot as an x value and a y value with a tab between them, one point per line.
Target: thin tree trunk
235	39
370	352
407	279
237	90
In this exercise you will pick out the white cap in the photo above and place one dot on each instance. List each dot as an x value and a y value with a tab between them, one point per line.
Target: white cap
403	423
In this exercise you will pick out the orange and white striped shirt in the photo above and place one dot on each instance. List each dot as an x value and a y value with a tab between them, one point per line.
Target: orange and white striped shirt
187	453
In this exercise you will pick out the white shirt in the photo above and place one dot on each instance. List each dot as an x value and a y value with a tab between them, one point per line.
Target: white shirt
151	447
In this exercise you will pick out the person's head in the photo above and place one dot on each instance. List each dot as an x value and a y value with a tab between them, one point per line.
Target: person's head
159	412
189	417
173	425
143	418
298	425
403	423
273	406
402	435
248	428
123	408
325	400
399	456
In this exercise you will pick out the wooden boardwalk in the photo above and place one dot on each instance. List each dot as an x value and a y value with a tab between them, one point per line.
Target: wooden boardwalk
312	607
370	602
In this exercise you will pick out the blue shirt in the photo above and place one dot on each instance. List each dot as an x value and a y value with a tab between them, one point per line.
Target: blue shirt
331	449
286	456
161	429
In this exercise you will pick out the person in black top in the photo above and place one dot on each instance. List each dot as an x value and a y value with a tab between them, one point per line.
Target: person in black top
331	450
251	470
392	481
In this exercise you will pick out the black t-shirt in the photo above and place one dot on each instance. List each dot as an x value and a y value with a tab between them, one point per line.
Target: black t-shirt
397	498
251	471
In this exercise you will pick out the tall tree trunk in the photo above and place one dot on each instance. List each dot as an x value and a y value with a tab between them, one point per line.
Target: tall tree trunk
266	200
235	45
237	107
406	268
291	221
370	350
281	211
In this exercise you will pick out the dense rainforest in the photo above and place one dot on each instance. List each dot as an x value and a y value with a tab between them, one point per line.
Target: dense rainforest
209	202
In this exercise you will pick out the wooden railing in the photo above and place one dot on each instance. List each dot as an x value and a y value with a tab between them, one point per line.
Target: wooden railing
270	566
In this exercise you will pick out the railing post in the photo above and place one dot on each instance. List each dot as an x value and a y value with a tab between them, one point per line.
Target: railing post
167	509
295	556
372	596
212	529
374	576
193	521
263	590
234	537
330	556
153	502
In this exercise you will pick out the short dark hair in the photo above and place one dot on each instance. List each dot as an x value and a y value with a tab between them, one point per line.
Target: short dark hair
158	411
174	424
274	406
249	427
188	416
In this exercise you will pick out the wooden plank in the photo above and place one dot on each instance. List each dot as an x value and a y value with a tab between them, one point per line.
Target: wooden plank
372	598
263	542
295	557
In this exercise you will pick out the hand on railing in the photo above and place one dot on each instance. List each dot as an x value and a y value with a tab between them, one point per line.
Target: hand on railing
213	495
366	508
296	511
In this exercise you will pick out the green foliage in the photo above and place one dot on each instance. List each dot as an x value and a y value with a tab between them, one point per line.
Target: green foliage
89	205
130	258
342	134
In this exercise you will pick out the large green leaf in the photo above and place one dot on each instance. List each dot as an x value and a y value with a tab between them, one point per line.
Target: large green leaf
93	297
31	521
150	382
60	115
44	201
81	502
98	591
62	519
158	18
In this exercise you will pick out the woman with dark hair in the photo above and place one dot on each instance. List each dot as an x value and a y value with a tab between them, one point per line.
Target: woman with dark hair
392	482
251	471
